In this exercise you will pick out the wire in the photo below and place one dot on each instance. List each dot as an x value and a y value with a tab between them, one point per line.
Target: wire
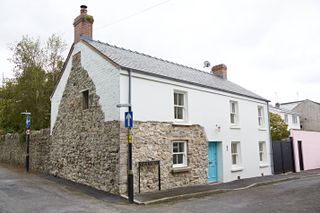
133	14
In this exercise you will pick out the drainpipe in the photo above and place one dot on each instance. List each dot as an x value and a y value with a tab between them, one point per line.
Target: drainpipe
270	144
130	172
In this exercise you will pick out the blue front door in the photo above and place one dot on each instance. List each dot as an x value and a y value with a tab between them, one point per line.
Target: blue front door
212	161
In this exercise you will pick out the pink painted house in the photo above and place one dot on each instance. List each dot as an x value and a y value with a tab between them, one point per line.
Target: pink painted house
306	147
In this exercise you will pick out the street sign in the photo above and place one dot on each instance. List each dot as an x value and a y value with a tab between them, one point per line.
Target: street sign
128	119
28	122
28	131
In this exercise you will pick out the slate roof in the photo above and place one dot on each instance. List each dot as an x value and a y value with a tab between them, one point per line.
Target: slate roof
146	64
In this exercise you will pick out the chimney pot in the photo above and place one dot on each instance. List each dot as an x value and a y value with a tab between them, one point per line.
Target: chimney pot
220	70
83	9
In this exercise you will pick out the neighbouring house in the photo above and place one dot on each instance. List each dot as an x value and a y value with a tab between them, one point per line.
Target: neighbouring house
309	112
200	126
306	146
290	117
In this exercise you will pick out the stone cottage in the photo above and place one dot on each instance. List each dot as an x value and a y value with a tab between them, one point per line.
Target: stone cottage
197	125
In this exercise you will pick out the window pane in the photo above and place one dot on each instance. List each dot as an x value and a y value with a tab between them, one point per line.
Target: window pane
232	118
174	159
234	159
233	107
178	112
234	148
181	100
259	111
181	147
180	158
175	147
175	99
261	156
260	121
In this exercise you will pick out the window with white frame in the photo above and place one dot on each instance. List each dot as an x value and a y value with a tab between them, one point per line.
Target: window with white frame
179	152
235	153
294	119
180	106
262	152
286	118
234	115
261	116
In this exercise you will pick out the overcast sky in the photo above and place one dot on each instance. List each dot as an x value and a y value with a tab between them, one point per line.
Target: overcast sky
270	47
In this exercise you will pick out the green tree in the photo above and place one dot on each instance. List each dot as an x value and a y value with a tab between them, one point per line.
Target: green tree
279	129
37	68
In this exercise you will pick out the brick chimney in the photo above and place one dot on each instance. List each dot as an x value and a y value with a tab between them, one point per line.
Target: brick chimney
220	70
83	25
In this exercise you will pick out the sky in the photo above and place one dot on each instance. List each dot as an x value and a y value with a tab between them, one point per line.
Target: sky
270	47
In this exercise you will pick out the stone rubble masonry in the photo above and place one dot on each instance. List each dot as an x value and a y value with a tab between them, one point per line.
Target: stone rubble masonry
13	150
153	141
86	149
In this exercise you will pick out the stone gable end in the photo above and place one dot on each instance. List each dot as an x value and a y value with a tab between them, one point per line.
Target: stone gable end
84	147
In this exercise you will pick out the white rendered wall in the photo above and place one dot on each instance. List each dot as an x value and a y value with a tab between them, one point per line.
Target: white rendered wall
105	77
152	100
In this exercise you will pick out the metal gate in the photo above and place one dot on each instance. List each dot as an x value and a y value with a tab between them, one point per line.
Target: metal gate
283	160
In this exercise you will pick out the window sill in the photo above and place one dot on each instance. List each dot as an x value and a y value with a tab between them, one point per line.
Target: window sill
264	165
236	168
181	169
181	124
262	129
235	127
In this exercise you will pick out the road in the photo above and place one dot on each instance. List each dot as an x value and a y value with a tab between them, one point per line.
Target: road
21	192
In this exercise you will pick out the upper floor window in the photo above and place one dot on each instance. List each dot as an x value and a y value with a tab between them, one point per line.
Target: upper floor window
180	107
179	152
294	119
261	116
85	99
234	115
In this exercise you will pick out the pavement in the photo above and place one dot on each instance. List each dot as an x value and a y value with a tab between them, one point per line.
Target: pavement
209	189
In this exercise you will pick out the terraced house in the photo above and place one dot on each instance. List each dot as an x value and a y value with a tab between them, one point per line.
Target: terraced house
199	126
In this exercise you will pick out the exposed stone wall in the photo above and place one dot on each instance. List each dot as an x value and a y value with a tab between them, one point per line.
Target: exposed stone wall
13	150
85	148
153	141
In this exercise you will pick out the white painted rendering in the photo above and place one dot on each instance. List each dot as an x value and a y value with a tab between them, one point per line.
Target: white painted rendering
282	112
152	100
103	74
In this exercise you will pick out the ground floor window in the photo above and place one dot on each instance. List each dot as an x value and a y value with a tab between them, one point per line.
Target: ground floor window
235	153
179	152
262	152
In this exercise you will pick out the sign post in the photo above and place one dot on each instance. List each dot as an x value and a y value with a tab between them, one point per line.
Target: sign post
128	118
28	125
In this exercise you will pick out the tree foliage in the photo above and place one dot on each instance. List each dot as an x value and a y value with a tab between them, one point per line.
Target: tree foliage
279	129
36	68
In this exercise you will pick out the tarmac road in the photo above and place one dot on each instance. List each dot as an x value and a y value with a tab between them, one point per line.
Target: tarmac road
21	192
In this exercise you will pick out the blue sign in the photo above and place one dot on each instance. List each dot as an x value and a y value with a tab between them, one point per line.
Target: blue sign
128	119
28	122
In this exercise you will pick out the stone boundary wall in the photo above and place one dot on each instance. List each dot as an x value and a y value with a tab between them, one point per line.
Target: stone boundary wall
13	150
